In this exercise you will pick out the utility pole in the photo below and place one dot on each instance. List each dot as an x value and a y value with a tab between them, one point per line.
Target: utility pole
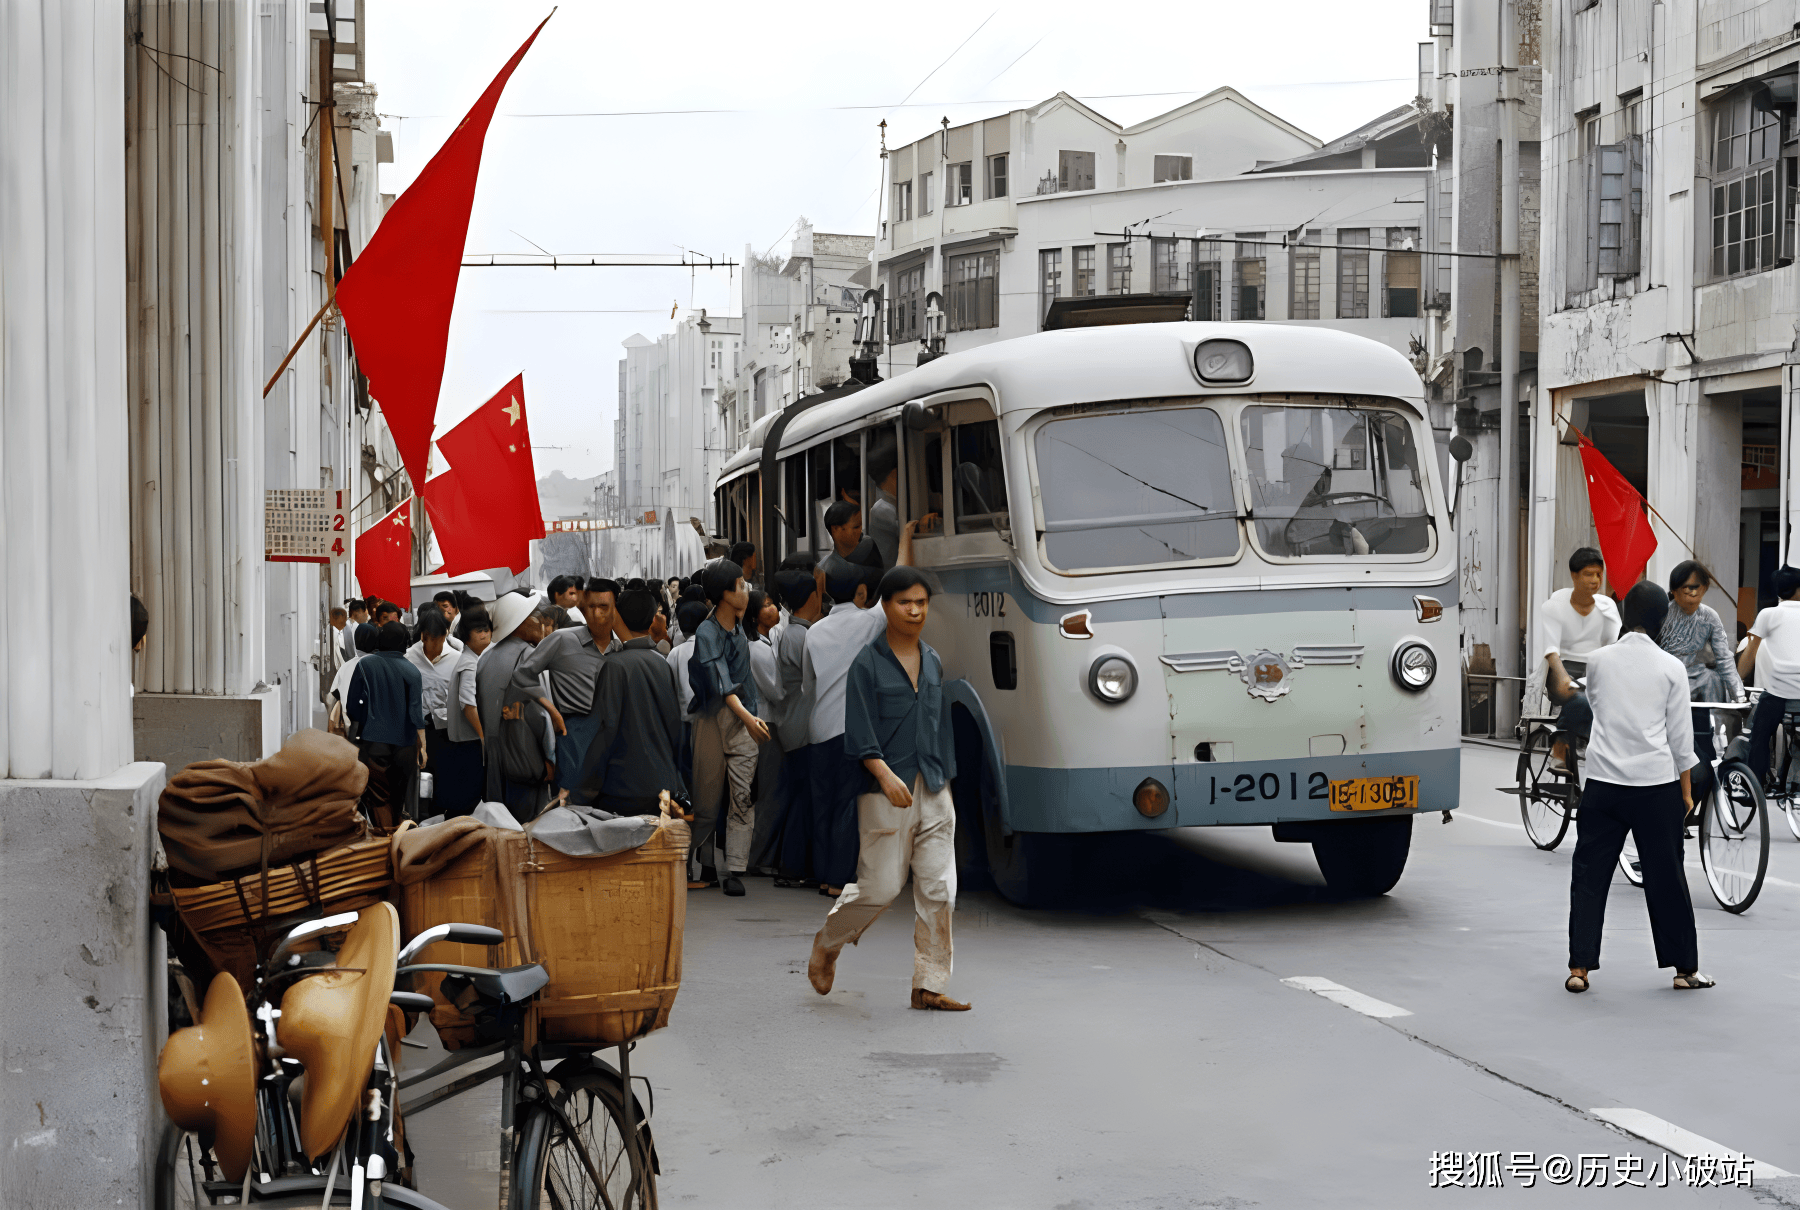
1507	619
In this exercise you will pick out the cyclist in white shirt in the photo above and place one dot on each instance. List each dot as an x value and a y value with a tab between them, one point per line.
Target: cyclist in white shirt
1575	622
1776	636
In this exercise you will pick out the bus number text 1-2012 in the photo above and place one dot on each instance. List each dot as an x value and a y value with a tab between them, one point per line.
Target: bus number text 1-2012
987	604
1252	787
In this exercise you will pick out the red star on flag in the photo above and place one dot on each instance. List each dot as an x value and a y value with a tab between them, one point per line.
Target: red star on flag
485	509
384	557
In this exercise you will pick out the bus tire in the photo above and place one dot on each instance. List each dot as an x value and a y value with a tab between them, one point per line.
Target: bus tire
1363	856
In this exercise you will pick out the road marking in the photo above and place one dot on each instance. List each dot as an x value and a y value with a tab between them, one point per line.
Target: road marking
1672	1138
1492	823
1337	993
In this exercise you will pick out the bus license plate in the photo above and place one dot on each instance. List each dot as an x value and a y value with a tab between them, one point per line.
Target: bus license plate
1374	793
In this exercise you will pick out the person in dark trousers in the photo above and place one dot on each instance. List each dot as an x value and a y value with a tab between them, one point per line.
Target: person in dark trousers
516	632
635	754
793	836
1639	759
385	703
897	728
1775	635
571	657
726	729
460	773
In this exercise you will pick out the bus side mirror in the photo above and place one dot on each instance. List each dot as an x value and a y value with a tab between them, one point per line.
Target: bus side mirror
1460	449
919	419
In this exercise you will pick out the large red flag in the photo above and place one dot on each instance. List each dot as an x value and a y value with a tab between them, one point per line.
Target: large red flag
1626	539
465	540
384	557
396	298
489	497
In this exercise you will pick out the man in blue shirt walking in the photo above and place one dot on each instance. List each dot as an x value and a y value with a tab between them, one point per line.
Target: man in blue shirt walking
895	724
726	731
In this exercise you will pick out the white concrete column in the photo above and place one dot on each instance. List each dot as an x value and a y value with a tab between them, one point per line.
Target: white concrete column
1790	460
196	475
1539	558
1673	410
64	672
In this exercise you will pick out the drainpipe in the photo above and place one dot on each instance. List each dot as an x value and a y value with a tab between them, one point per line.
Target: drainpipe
1507	613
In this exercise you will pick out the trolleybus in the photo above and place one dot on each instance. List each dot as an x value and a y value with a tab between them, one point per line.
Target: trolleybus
1194	574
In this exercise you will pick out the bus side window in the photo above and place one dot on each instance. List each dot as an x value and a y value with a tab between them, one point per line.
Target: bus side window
925	478
978	478
819	467
794	505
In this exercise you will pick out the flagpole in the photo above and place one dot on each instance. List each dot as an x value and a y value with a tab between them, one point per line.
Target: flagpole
330	298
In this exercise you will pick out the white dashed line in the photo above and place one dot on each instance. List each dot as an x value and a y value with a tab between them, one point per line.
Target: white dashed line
1337	993
1492	823
1674	1139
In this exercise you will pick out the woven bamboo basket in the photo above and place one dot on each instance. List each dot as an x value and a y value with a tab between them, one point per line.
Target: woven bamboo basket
607	929
237	922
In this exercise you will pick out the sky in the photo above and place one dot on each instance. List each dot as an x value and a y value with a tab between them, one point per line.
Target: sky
794	99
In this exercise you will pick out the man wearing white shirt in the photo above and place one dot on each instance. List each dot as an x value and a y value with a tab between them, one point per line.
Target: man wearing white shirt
1574	623
1638	783
1775	637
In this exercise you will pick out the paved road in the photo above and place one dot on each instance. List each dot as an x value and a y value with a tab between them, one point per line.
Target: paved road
1146	1053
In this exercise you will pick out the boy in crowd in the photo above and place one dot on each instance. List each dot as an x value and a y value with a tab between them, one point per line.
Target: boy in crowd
565	594
897	729
435	660
571	658
726	729
385	701
1776	635
800	592
636	750
358	615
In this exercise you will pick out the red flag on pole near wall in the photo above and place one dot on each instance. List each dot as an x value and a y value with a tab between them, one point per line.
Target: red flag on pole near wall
384	557
488	499
464	540
396	299
1626	539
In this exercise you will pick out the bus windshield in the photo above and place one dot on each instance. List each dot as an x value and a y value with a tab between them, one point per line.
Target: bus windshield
1334	481
1135	489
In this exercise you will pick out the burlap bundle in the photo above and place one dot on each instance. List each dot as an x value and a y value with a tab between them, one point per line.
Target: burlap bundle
221	819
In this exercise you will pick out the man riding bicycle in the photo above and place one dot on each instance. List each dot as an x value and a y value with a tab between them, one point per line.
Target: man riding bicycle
1575	622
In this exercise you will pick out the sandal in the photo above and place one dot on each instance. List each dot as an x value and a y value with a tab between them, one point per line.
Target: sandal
1575	983
1692	981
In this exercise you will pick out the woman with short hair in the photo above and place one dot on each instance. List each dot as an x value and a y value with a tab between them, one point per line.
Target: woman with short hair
1694	634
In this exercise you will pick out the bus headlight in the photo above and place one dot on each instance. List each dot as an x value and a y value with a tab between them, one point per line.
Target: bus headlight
1414	665
1112	678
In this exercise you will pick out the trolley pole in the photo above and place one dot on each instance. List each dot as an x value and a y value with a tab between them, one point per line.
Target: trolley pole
1507	612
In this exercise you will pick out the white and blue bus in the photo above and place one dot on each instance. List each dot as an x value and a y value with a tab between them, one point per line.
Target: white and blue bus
1194	575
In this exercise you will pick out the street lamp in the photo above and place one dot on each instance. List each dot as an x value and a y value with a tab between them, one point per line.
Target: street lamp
934	328
864	367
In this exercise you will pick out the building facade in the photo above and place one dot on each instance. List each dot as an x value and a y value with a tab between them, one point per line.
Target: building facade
1670	300
670	437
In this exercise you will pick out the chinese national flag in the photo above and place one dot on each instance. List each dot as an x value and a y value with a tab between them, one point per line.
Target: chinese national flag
489	496
1620	519
384	557
466	542
396	299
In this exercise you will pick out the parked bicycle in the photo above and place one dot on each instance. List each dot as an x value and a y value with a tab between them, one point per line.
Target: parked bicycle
305	1107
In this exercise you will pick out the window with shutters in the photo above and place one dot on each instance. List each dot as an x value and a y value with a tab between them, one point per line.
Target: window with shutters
974	291
903	201
1074	171
1249	277
1303	278
905	310
1118	268
959	184
1050	279
1400	294
1174	168
925	180
1443	18
1084	285
1168	259
1748	203
1353	273
1207	281
996	176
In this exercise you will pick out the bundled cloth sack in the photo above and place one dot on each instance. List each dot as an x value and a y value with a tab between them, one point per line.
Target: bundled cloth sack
220	819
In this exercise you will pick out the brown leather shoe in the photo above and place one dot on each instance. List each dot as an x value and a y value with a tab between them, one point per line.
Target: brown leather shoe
938	1000
821	968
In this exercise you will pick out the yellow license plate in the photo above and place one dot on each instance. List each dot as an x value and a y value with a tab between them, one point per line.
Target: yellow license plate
1374	793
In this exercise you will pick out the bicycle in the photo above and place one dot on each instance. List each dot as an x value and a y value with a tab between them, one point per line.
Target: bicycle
1783	785
573	1137
1548	796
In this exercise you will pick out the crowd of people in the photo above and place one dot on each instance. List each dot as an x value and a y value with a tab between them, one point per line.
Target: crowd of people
800	725
1624	677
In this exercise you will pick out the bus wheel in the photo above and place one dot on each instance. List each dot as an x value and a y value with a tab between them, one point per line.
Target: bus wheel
1032	869
1363	856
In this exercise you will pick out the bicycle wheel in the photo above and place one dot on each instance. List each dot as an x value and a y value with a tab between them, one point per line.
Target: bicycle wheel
1734	838
552	1170
187	1176
1544	796
1629	864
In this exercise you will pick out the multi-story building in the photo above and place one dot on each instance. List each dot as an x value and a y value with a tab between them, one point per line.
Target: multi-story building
670	437
799	324
1669	291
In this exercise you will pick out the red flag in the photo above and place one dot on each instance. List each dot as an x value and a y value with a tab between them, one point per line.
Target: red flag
384	557
396	299
467	542
1626	539
490	451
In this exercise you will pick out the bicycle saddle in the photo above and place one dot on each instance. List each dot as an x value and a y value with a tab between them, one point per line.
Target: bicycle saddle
511	985
331	1022
207	1076
1738	749
1793	707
